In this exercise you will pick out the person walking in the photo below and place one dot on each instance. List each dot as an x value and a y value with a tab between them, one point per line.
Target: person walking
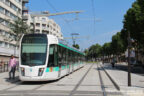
113	62
132	56
12	65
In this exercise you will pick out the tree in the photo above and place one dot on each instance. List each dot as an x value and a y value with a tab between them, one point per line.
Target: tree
134	22
117	44
107	50
18	28
94	51
76	46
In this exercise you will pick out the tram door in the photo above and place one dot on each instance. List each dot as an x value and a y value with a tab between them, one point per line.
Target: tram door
53	56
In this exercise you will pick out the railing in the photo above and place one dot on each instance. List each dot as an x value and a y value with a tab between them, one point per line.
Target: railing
25	1
4	66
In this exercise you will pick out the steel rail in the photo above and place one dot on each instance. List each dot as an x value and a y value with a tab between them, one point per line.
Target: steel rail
101	82
79	83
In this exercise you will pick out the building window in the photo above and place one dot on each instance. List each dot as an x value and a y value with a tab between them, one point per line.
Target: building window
7	2
1	20
13	7
43	25
19	1
7	13
31	24
6	45
6	23
37	31
43	19
2	10
38	24
1	44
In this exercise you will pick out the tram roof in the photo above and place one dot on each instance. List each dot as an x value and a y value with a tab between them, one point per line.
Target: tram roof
65	45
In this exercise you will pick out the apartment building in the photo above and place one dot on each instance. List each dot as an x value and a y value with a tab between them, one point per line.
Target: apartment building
44	25
10	10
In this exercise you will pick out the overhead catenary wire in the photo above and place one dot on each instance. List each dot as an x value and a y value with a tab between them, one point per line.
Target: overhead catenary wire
94	15
50	4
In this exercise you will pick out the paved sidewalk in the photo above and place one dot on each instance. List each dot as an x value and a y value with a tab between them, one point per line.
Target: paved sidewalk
4	78
120	77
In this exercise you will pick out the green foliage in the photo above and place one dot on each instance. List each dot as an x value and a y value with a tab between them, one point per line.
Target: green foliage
106	49
94	51
76	46
134	22
19	28
116	47
117	44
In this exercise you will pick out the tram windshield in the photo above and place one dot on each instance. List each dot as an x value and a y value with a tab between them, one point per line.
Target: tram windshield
33	49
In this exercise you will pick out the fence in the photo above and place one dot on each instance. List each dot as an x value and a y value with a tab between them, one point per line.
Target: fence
4	66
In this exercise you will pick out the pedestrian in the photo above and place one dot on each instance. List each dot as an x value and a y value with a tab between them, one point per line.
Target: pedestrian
132	57
113	62
12	66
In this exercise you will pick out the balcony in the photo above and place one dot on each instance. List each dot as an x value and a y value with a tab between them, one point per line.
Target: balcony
8	51
25	17
25	1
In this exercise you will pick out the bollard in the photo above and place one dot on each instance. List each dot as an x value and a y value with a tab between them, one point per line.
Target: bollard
7	66
4	67
0	66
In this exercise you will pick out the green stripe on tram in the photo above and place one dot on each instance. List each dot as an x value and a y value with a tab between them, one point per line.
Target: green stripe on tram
70	48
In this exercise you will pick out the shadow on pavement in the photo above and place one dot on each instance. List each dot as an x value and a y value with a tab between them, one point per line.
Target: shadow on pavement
17	81
12	80
134	69
37	82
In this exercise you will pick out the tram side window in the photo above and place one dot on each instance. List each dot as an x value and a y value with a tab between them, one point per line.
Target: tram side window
73	57
76	57
63	56
53	55
66	56
69	58
59	55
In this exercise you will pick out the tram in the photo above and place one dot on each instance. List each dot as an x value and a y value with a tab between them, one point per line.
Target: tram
44	57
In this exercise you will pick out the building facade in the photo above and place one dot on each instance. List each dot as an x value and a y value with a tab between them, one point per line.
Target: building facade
10	10
44	25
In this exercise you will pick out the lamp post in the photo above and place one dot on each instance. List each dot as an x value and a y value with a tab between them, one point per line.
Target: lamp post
129	66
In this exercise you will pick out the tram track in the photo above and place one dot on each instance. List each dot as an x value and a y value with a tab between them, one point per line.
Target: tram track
100	69
79	83
114	83
101	82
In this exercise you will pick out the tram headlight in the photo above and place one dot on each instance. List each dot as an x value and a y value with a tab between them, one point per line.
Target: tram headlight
41	70
22	71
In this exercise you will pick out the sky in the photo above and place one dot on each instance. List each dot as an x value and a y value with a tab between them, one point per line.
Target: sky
98	22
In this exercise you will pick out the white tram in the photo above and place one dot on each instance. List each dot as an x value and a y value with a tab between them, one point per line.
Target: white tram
43	58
